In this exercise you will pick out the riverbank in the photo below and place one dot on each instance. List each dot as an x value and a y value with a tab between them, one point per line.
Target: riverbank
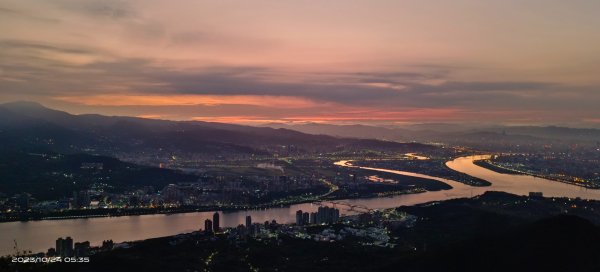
435	168
119	212
113	212
488	164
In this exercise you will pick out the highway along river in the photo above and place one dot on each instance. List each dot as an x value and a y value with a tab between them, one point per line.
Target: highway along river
38	236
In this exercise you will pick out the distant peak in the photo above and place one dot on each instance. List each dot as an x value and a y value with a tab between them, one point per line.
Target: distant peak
23	104
32	109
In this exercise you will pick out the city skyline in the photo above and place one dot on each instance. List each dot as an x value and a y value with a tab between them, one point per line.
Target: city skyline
382	62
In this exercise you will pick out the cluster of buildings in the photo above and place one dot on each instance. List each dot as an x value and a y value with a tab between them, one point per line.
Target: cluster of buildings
578	168
67	248
373	235
212	226
19	202
324	225
369	225
320	226
249	228
236	190
207	191
324	215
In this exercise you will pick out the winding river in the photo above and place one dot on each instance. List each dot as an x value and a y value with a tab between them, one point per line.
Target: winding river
40	235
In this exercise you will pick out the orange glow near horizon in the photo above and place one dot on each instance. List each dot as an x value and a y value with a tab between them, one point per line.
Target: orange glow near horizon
189	99
286	109
345	115
357	116
346	62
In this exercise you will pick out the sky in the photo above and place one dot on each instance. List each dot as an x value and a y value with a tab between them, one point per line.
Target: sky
524	62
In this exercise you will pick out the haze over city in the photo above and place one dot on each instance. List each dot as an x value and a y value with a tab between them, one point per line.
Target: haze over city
341	62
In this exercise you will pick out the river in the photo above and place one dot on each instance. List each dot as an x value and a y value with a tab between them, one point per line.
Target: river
41	235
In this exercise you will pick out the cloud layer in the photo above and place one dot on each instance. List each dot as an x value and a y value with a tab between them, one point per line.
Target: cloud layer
349	61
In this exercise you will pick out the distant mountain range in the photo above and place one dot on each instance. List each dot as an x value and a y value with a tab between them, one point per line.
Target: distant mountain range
470	135
28	125
31	126
352	131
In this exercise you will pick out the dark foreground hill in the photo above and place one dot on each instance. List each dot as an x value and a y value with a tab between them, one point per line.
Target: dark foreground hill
560	243
54	176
